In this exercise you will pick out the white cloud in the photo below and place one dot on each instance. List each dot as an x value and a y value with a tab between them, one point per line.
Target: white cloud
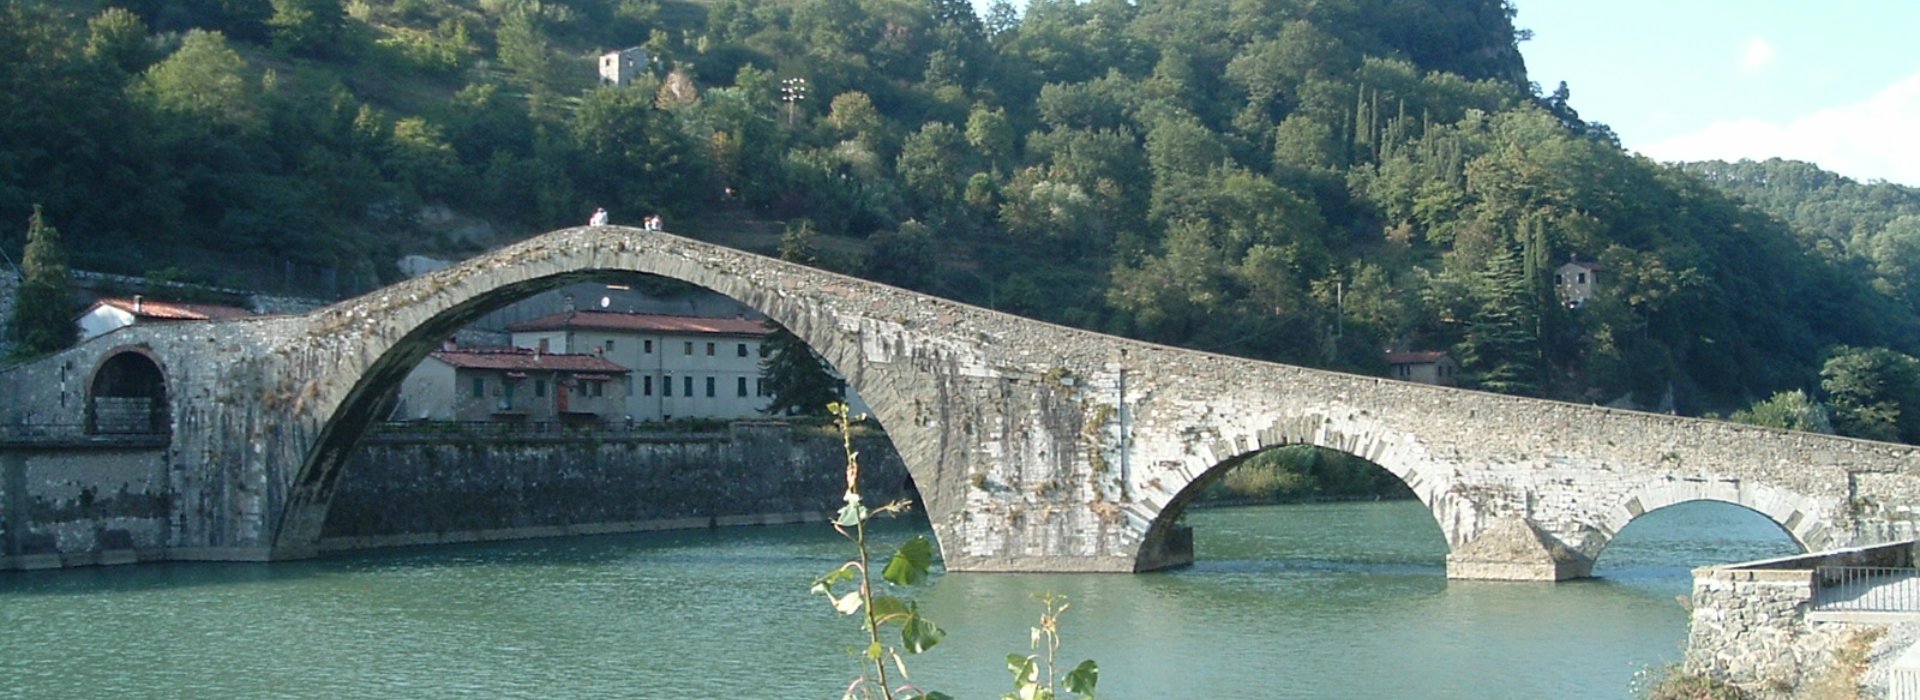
1757	54
1878	138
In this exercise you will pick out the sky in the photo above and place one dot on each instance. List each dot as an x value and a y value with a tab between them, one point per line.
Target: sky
1832	82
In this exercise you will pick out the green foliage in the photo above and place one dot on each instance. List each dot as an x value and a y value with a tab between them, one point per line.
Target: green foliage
1034	675
799	380
1304	473
1787	410
43	312
1280	179
1874	393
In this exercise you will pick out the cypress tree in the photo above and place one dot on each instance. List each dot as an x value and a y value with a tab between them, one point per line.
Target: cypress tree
42	319
1502	344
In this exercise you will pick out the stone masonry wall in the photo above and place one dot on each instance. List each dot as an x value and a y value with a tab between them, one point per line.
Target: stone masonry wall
400	490
67	507
1751	623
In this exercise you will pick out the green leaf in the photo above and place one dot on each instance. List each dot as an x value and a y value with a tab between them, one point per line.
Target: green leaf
1023	668
886	607
910	564
920	634
874	651
1083	678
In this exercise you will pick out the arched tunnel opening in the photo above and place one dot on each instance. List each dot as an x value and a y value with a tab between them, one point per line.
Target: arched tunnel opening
1302	508
128	396
598	402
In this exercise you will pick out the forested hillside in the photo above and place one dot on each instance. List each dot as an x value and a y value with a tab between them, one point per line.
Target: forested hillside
1310	181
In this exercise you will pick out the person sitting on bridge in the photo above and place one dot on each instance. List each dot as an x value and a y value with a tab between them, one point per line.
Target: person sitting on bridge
599	217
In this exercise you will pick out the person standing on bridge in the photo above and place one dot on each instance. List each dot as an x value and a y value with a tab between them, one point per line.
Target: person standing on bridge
599	217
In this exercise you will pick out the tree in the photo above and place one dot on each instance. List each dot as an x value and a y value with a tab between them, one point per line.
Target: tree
799	380
1502	343
1874	393
42	319
307	27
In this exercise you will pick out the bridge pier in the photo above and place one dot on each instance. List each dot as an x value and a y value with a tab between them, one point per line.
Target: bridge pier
1514	549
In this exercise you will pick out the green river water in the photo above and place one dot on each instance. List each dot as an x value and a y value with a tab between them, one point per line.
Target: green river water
1345	600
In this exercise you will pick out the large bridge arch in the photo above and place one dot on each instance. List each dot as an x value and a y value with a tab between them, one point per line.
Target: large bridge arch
401	325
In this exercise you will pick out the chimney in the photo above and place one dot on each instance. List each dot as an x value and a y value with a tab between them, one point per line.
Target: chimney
136	303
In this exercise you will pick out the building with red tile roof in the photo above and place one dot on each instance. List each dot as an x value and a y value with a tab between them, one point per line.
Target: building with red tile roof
113	313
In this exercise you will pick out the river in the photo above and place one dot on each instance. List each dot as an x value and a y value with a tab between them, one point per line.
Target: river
1346	600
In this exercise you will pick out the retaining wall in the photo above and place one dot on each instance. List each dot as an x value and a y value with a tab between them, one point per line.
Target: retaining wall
426	490
81	506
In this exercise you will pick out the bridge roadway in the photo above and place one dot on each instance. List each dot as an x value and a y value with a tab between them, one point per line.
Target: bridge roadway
1036	447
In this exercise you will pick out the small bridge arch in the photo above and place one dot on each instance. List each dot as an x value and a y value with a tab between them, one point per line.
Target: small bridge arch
127	394
1375	444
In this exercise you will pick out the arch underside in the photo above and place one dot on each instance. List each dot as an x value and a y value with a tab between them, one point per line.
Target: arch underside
1795	515
341	429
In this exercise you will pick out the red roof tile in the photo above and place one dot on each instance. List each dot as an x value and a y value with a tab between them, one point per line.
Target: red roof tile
159	310
524	360
1423	357
655	323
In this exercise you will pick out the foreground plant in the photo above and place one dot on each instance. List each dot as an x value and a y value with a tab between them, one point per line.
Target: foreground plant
908	565
1033	674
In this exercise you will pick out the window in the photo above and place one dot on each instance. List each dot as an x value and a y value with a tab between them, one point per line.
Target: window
646	385
646	346
709	387
543	345
760	387
539	387
666	385
689	347
741	388
687	384
1559	279
479	387
609	345
709	349
1582	277
743	349
592	388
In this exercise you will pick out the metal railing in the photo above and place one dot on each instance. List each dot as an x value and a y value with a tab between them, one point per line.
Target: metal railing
1866	589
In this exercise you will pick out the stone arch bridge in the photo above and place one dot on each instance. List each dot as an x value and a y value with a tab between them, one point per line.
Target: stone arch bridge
1035	447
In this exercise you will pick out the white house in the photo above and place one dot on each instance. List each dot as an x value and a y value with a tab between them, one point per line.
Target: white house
113	313
511	384
1576	281
621	67
683	366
